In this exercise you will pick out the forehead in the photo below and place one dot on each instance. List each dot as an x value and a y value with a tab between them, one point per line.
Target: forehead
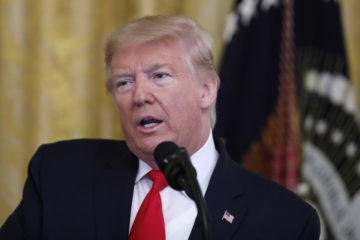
160	52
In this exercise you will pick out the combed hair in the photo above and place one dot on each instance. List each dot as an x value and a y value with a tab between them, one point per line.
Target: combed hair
198	42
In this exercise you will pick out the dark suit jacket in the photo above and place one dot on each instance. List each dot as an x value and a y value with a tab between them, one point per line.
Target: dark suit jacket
82	189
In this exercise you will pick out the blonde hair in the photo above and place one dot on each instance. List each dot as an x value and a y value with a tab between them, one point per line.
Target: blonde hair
198	42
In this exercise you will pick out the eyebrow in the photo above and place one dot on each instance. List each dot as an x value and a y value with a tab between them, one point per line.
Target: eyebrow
157	66
147	69
121	75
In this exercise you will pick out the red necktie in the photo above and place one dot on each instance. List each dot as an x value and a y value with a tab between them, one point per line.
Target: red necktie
149	221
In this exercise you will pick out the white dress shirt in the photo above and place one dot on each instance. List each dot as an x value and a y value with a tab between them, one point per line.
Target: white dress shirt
178	209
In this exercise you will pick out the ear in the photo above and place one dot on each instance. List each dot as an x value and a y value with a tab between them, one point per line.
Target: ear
208	91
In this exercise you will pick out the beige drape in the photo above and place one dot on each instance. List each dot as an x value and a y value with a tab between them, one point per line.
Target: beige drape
351	24
52	73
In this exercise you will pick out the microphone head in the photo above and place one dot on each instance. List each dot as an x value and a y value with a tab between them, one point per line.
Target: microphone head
170	163
162	151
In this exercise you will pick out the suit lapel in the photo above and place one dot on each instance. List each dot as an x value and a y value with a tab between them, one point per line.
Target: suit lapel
223	194
112	209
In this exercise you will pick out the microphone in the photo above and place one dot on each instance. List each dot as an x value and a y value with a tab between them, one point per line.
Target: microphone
180	174
175	163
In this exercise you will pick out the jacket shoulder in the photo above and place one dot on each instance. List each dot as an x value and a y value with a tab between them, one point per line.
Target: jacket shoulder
283	207
87	143
81	147
78	154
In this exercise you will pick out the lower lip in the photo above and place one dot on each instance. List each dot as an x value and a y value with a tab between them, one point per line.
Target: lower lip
149	129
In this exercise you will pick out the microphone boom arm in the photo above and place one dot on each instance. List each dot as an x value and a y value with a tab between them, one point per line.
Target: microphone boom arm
180	174
192	190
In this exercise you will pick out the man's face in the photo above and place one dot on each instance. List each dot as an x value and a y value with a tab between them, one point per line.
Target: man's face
158	98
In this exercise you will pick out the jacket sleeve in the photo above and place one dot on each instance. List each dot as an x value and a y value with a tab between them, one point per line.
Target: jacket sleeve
25	221
311	230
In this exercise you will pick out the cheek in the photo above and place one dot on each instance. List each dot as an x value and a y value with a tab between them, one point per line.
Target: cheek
185	108
123	109
122	102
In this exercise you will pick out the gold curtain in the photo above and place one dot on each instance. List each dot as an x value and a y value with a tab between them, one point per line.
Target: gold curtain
52	73
350	10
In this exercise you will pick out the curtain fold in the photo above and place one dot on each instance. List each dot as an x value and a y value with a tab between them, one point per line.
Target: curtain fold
351	23
52	73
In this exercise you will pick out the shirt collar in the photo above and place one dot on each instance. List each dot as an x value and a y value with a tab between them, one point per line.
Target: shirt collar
144	168
203	160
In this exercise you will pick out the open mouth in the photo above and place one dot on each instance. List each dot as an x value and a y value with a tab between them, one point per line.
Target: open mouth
150	122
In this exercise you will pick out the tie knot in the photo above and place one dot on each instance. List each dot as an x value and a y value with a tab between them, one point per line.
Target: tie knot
159	180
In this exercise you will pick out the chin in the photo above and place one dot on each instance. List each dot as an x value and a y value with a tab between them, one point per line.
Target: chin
150	145
146	146
143	150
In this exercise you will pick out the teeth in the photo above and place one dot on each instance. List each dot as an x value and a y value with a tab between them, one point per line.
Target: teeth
148	125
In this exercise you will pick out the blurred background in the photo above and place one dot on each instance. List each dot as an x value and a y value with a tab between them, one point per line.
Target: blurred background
286	108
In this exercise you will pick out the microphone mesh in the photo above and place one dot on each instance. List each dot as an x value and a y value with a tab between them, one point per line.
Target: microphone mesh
162	151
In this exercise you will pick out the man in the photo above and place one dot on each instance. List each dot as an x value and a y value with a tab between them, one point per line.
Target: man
160	72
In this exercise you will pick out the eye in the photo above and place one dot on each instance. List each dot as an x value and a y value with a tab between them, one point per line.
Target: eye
160	75
161	78
122	83
123	86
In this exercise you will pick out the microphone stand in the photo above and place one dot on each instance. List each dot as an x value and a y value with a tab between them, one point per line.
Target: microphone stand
194	192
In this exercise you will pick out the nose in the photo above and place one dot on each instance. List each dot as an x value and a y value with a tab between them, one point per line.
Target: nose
142	92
